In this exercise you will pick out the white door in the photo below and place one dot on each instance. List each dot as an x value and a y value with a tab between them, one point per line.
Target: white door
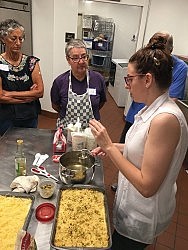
127	24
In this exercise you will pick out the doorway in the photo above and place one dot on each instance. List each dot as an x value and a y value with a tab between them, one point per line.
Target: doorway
127	24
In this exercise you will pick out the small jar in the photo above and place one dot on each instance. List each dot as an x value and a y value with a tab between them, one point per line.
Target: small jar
70	129
46	188
90	139
78	141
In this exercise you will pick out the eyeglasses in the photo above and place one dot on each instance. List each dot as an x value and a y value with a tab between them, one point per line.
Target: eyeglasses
15	38
128	79
76	59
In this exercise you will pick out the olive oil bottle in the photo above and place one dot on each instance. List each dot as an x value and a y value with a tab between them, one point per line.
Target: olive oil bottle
20	159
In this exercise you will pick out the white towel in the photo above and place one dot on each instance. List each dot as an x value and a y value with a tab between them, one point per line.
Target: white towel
25	184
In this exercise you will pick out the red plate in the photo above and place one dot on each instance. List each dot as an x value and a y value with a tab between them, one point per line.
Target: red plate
45	212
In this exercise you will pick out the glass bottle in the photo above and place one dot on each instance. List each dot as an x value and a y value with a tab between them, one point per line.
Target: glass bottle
20	159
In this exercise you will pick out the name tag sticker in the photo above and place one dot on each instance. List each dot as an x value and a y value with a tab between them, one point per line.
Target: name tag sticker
92	91
4	67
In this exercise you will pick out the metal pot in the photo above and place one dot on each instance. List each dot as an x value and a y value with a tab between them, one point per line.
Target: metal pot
77	167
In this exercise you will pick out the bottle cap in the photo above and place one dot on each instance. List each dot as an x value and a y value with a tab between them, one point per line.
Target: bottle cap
19	141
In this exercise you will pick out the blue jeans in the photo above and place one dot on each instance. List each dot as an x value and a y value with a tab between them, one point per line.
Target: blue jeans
29	123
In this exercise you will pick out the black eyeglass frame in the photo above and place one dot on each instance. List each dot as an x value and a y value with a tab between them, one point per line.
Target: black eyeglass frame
128	79
83	57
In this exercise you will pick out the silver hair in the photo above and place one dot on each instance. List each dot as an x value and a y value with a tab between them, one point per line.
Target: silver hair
74	43
9	25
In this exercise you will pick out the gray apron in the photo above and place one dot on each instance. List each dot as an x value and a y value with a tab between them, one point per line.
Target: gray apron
77	106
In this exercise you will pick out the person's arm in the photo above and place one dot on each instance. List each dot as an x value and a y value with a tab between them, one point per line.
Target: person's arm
103	89
54	94
56	107
8	99
101	105
99	152
158	152
34	93
120	146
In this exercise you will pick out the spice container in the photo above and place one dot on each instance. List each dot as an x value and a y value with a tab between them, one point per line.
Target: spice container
70	129
90	139
78	141
46	188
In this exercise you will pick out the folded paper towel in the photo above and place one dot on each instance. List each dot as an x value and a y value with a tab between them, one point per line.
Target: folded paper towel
25	184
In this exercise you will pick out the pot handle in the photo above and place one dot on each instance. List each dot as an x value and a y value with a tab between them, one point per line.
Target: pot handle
92	177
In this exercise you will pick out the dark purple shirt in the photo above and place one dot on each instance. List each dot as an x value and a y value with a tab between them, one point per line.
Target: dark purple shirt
59	91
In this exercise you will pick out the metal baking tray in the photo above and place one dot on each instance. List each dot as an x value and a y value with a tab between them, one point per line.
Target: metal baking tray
81	186
23	196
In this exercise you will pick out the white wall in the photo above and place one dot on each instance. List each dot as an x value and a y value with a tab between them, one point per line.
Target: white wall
43	47
52	18
170	15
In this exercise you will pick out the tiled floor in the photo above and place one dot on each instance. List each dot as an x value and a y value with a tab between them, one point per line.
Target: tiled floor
176	235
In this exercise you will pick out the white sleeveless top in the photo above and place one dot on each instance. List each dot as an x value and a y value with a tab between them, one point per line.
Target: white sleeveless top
135	216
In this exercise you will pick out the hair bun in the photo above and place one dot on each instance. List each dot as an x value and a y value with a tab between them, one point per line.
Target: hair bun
157	43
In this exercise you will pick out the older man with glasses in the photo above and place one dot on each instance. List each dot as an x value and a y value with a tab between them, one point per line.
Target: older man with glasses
79	92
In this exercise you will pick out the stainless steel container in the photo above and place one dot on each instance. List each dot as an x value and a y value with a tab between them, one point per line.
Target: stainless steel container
53	232
77	167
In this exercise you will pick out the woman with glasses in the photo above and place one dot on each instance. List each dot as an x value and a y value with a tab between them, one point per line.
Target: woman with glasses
151	157
21	83
79	92
176	89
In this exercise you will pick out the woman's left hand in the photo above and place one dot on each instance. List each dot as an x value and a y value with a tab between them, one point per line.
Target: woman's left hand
98	152
101	135
34	87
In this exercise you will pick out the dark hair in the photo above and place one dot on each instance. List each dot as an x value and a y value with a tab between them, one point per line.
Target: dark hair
167	39
155	60
8	26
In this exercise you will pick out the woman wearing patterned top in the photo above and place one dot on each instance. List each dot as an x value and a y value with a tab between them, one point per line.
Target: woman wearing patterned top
21	83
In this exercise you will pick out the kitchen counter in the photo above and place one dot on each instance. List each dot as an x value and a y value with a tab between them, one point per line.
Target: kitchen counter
35	140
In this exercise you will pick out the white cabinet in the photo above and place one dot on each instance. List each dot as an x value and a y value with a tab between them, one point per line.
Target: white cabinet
117	89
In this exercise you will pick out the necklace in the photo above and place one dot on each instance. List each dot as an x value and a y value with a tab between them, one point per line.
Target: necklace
14	62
